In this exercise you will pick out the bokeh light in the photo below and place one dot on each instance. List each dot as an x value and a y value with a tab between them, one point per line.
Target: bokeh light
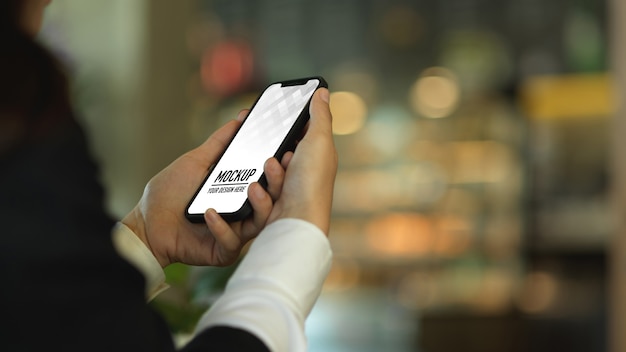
349	112
436	93
540	289
227	67
480	161
400	235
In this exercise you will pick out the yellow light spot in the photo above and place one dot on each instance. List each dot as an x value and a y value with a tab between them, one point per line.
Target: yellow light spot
349	112
400	235
436	93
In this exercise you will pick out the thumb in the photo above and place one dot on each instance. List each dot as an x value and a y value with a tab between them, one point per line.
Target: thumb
321	119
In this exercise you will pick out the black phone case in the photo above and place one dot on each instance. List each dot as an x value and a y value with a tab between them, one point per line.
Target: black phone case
288	144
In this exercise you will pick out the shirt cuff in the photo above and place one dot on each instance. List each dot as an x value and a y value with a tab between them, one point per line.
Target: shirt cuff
276	285
131	248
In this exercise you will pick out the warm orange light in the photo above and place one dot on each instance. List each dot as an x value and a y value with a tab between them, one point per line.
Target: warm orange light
481	161
400	235
349	112
539	292
436	93
496	290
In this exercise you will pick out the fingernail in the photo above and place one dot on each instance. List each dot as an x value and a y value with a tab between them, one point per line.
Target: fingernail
325	95
259	192
242	115
212	216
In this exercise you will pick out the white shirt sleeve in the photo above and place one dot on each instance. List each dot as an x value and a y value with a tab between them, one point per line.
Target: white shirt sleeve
275	286
272	291
131	248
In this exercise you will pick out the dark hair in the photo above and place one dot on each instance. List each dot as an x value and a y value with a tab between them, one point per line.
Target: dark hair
40	136
33	88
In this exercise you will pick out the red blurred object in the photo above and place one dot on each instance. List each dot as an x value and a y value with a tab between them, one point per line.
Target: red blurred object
227	68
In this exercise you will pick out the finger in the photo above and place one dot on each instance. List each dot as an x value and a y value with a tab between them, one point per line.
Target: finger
262	206
275	175
320	132
305	129
321	118
227	240
286	160
242	115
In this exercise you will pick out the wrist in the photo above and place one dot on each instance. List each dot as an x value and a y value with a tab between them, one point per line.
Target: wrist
131	248
310	213
135	222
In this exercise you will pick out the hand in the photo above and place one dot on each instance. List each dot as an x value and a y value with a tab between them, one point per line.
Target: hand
158	219
307	191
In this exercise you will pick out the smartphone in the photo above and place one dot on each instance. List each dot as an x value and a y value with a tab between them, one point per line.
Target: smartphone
272	127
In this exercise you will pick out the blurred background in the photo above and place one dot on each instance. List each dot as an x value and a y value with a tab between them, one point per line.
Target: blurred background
477	139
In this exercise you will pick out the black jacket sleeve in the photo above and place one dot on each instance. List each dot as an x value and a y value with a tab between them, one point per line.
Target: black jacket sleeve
63	285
